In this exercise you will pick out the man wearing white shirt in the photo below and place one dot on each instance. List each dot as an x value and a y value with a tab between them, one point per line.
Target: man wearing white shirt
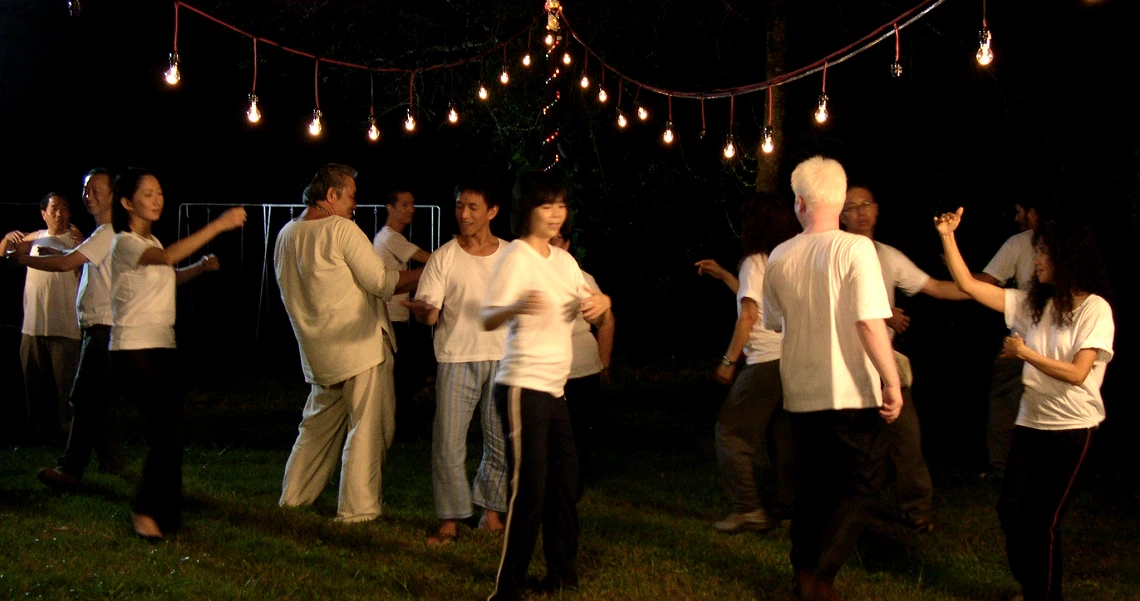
914	490
1013	263
50	344
449	296
93	426
335	289
824	290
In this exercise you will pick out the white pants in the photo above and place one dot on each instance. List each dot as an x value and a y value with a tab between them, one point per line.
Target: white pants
361	413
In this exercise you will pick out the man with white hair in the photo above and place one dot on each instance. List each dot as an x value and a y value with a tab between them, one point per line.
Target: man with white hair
824	290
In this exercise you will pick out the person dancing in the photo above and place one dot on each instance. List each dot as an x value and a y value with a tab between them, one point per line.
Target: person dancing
1063	329
143	281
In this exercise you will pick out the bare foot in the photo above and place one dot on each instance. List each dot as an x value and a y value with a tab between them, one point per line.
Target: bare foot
445	534
490	521
145	526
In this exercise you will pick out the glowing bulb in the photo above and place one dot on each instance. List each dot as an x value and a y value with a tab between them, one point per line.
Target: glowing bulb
729	149
896	70
668	135
566	58
821	112
526	60
768	144
504	77
549	40
985	54
253	114
453	116
482	92
642	113
373	131
410	122
602	96
172	75
585	82
315	124
622	122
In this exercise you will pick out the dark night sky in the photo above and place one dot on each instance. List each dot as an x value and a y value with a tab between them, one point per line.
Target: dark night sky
1050	117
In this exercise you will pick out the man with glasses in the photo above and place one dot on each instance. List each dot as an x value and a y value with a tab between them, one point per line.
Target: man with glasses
913	488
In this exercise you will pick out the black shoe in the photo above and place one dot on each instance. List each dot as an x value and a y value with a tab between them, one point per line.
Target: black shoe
58	480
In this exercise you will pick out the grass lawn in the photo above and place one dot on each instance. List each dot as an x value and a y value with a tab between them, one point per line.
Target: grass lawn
645	522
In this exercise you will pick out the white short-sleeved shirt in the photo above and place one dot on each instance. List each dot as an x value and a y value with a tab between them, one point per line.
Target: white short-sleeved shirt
539	348
817	286
763	344
396	251
1049	403
94	302
1014	260
456	282
49	297
587	359
899	272
142	296
335	290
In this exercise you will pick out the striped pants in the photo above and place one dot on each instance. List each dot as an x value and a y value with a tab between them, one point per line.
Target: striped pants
459	389
1040	479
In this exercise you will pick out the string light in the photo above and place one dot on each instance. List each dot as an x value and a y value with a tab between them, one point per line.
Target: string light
668	135
622	122
704	129
566	58
642	113
315	124
585	66
482	92
821	110
602	96
730	146
410	122
549	39
585	82
896	67
453	116
526	60
504	77
253	113
526	57
985	53
172	75
373	131
767	141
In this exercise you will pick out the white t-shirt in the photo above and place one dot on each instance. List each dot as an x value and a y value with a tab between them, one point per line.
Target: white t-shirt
334	288
94	303
142	296
816	288
899	272
763	344
396	251
456	282
587	358
49	297
1014	260
539	349
1049	403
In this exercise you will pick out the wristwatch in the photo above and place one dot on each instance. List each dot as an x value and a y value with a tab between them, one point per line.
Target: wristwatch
726	362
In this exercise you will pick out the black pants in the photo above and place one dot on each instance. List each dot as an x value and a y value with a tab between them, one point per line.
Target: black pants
1040	478
94	427
147	379
583	397
543	467
840	458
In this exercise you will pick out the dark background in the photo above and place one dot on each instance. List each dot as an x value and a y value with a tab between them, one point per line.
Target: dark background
1051	117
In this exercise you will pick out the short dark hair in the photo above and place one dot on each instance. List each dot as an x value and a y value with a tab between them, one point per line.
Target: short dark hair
393	193
96	171
332	175
1045	207
50	195
765	222
479	187
533	189
125	186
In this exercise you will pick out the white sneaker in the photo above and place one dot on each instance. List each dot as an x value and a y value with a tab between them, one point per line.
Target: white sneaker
753	520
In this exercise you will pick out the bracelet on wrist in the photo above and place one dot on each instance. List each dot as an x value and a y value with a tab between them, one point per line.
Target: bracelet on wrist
725	361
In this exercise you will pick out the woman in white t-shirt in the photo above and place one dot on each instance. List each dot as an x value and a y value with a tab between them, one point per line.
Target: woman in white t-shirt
143	279
1063	330
538	290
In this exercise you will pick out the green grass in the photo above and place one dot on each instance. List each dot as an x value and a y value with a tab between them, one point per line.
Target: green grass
645	522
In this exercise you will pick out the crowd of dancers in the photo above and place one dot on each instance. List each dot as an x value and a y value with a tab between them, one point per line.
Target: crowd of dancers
524	337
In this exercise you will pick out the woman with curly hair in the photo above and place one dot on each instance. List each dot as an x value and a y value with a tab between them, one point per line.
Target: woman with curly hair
1063	330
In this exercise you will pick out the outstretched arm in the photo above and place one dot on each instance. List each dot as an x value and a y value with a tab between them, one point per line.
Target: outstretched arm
206	263
57	263
180	250
943	290
711	267
986	294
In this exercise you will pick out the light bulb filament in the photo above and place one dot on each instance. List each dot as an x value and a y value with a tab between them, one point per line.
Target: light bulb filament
253	114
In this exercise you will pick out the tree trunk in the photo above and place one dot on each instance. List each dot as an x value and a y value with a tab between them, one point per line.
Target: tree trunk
768	167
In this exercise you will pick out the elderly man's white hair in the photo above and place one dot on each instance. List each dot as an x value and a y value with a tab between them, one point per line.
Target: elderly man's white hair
820	182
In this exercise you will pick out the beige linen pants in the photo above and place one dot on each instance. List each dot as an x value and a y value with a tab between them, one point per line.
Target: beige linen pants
361	413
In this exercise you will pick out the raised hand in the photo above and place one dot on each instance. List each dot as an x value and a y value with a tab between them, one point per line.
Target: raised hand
211	263
231	219
946	223
711	267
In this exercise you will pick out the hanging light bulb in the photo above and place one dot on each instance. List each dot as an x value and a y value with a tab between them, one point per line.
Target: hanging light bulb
452	115
253	113
602	96
622	122
504	77
642	113
668	135
729	148
896	70
768	144
526	60
410	122
566	58
549	39
985	54
585	82
482	92
821	112
315	124
172	75
373	131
